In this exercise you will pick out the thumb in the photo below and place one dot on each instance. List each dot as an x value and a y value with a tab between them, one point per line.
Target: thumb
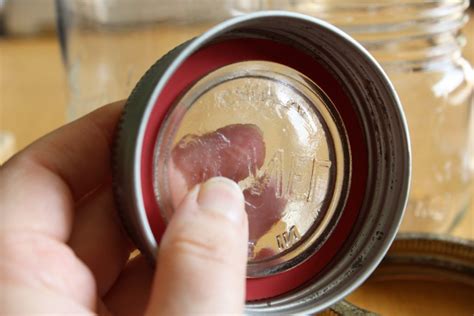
203	254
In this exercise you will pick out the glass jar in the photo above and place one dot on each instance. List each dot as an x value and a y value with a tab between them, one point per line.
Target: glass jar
107	45
418	43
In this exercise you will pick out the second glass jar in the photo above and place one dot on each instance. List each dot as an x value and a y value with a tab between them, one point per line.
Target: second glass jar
419	43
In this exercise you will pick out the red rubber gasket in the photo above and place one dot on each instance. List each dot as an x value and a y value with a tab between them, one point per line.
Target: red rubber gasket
220	54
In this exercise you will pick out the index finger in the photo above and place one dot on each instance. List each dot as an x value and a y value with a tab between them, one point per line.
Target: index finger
41	184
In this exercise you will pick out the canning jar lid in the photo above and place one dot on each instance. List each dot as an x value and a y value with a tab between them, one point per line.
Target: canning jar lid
300	116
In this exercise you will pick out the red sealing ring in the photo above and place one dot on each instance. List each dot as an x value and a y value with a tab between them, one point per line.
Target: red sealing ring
232	51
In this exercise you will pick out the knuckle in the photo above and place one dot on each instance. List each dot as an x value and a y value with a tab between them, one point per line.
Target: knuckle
214	245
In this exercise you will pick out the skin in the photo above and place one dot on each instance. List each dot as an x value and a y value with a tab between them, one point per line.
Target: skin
63	249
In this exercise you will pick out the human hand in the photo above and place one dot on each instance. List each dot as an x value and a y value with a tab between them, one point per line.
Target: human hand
63	250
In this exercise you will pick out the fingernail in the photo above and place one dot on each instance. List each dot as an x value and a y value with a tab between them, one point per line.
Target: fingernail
224	196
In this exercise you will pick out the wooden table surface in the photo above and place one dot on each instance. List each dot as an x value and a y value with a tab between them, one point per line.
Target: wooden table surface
33	99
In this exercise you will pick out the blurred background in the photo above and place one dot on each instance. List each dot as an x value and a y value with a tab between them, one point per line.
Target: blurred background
61	59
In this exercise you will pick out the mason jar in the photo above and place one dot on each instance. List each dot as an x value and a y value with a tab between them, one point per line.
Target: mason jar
419	44
109	44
